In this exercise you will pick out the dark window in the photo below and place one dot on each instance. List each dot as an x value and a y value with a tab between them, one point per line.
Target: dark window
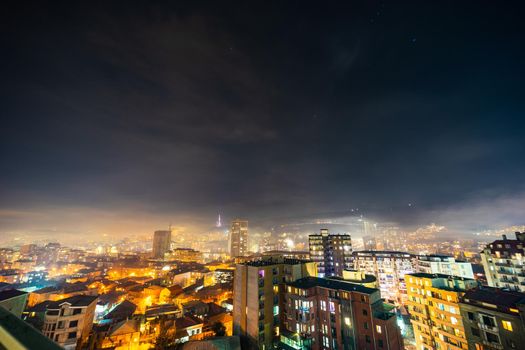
380	343
470	316
56	337
77	311
365	325
72	335
367	338
475	331
488	321
52	312
493	338
365	312
73	324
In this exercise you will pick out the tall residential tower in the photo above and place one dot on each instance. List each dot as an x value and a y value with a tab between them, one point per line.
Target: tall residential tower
332	252
239	238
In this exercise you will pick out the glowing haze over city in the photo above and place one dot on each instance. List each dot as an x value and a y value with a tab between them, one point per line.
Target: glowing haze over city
144	141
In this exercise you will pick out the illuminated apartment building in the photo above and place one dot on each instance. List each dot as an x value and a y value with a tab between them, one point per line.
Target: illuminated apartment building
503	261
332	252
239	238
390	268
258	297
446	265
433	303
494	319
324	313
68	321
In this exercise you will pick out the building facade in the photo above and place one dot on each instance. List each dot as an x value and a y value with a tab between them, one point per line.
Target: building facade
324	313
239	238
390	268
331	252
493	319
68	321
503	261
161	243
258	297
446	265
433	304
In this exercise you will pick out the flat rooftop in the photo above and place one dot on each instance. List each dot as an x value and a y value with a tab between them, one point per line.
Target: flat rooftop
310	282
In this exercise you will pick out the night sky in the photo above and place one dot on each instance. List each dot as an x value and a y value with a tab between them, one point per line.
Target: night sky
120	118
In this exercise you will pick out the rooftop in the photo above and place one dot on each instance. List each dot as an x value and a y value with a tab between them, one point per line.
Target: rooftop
310	282
271	261
381	252
74	301
122	311
501	299
186	321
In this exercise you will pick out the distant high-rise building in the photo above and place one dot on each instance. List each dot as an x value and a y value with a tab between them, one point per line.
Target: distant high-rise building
390	268
218	224
331	252
446	265
493	319
27	249
161	243
504	263
327	314
239	238
433	304
258	298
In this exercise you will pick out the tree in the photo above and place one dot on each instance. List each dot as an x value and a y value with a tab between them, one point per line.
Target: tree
219	329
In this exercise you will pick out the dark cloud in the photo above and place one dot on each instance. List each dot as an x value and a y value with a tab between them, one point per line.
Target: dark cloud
264	111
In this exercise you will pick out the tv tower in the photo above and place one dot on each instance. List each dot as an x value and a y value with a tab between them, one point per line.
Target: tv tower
218	223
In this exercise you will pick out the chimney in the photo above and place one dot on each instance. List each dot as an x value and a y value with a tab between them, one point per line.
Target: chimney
504	237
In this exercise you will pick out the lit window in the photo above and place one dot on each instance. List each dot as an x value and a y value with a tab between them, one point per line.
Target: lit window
507	325
454	320
378	329
347	321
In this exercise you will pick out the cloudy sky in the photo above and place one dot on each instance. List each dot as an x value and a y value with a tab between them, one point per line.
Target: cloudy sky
121	117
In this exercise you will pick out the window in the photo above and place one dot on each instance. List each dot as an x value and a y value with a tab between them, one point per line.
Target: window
77	311
347	321
71	335
470	316
475	331
365	325
332	306
378	329
488	321
367	338
365	312
492	338
507	325
454	320
73	324
380	343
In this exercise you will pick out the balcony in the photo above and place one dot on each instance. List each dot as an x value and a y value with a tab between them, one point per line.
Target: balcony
492	345
488	327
